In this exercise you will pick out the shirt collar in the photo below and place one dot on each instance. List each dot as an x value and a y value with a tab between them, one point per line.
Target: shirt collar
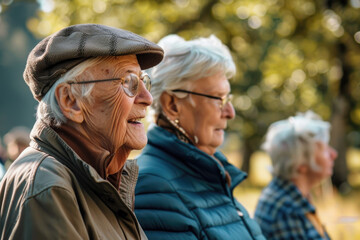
299	202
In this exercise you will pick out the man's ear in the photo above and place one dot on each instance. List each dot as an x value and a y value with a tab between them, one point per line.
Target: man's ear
170	105
68	103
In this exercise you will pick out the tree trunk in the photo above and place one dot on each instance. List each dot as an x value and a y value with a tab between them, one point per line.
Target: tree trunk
341	107
338	141
247	152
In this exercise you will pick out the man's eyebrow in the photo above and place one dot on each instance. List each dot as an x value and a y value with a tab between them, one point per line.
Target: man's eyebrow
131	71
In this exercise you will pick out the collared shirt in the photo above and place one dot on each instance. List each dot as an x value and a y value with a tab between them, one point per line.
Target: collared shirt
284	213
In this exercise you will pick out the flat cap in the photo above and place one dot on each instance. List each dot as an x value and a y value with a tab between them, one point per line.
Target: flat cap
61	51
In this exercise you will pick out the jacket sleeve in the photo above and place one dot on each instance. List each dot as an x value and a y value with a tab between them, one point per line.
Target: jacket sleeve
161	212
51	214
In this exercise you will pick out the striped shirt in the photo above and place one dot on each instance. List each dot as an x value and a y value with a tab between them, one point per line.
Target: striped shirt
283	213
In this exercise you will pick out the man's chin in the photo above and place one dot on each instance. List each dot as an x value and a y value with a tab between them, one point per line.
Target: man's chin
138	145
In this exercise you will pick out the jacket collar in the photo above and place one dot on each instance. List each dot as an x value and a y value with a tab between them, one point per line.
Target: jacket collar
46	139
185	156
94	155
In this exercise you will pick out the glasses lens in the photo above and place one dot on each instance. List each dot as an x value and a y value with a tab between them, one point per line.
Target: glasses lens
229	98
131	85
146	79
226	99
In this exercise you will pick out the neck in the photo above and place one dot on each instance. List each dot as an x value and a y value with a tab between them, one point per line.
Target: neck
209	150
304	184
105	161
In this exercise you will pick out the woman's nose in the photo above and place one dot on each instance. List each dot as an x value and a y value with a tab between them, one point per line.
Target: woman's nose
333	153
228	111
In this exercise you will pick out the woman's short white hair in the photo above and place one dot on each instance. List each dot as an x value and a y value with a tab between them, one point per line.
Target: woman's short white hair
187	61
291	142
48	109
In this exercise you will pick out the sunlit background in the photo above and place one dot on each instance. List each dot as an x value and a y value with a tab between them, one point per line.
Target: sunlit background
291	56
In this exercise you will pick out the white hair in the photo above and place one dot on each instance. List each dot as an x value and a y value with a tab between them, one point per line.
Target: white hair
291	142
48	109
187	61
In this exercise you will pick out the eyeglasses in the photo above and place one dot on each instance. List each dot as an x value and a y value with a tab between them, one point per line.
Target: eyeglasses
130	83
224	100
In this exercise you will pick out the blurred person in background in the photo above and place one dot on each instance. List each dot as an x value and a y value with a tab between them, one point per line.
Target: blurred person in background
16	140
2	161
301	158
74	181
185	187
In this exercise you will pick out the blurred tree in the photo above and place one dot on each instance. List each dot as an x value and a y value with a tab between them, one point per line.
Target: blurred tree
291	55
17	105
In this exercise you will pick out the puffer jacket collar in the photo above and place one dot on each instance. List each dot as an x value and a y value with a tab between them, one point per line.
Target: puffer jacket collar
185	155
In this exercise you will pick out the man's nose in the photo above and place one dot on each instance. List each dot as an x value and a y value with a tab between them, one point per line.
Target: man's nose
143	96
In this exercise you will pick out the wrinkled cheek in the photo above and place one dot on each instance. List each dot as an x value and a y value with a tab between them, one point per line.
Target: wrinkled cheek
90	115
106	121
118	120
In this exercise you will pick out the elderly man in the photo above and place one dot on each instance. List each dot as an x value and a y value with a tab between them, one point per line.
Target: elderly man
74	182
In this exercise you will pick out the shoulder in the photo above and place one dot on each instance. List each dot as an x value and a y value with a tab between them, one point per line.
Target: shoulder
157	163
35	182
159	206
277	212
275	200
35	171
156	175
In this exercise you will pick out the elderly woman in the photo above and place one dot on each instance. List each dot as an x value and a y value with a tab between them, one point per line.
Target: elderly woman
301	158
73	182
185	187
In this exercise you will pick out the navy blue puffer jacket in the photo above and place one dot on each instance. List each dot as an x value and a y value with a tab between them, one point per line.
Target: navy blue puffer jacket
182	193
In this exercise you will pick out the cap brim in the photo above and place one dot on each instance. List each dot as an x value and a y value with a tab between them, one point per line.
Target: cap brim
149	59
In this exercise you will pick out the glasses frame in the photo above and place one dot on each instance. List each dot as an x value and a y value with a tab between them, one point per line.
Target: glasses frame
145	78
224	100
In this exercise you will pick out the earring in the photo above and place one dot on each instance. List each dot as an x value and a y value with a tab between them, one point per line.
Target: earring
196	139
175	123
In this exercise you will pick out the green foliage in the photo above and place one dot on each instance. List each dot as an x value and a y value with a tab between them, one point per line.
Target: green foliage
290	55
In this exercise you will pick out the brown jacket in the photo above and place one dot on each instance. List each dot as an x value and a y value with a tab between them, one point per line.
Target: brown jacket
50	193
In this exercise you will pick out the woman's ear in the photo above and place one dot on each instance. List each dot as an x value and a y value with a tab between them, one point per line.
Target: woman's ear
170	105
302	169
68	103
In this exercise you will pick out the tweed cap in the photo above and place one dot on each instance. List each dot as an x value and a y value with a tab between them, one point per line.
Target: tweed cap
61	51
